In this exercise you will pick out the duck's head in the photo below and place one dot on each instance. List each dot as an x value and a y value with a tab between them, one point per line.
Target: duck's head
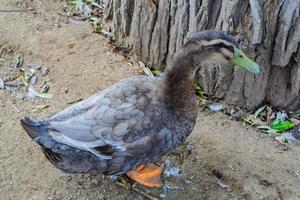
214	46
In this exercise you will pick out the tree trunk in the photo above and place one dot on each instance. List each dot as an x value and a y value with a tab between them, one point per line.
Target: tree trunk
156	29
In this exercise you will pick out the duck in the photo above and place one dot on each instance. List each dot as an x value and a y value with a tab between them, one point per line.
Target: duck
126	127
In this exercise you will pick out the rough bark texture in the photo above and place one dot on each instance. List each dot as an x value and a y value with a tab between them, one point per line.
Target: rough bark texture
270	29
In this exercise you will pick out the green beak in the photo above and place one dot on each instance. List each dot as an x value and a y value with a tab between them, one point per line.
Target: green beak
244	62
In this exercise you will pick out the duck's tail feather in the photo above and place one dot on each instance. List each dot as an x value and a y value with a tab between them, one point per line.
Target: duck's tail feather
33	127
64	157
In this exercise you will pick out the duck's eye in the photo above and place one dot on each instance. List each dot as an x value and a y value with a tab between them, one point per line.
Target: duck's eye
241	56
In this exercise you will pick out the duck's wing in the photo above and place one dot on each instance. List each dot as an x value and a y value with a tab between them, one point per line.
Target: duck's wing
101	123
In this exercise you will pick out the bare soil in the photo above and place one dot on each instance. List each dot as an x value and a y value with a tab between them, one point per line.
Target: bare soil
251	165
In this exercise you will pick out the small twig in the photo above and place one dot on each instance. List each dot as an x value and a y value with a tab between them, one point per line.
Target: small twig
13	105
1	50
75	101
138	191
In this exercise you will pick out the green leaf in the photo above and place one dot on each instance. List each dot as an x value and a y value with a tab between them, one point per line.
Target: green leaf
282	126
200	92
248	121
156	72
73	2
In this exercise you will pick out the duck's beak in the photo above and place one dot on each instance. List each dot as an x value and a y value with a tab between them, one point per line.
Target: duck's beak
244	62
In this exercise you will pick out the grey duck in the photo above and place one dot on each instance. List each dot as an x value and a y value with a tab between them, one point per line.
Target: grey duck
134	122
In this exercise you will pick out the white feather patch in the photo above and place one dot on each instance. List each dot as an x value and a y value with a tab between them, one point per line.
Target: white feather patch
86	146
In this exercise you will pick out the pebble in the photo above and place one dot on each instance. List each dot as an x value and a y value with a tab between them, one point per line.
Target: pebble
68	178
33	80
215	107
238	114
94	183
170	171
1	84
190	147
64	90
164	191
188	181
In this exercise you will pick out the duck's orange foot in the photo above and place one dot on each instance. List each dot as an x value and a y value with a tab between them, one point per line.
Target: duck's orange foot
147	175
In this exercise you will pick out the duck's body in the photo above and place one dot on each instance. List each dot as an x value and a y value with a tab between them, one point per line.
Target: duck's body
136	120
121	127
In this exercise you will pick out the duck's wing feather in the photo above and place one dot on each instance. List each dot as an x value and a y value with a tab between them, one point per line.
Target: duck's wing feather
101	123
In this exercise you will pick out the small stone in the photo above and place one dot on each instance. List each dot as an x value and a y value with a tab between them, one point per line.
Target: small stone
215	107
2	104
64	90
170	171
94	183
190	147
188	181
238	114
113	178
1	84
33	80
198	157
164	191
68	178
36	67
296	132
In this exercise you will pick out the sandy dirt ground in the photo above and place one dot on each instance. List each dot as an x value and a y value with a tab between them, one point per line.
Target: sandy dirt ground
228	161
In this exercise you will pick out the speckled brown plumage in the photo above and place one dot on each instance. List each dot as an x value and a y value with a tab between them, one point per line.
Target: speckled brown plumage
132	122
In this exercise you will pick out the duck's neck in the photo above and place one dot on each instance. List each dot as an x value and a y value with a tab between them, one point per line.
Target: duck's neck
179	85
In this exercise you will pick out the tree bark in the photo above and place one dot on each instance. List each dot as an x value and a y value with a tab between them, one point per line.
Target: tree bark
156	29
